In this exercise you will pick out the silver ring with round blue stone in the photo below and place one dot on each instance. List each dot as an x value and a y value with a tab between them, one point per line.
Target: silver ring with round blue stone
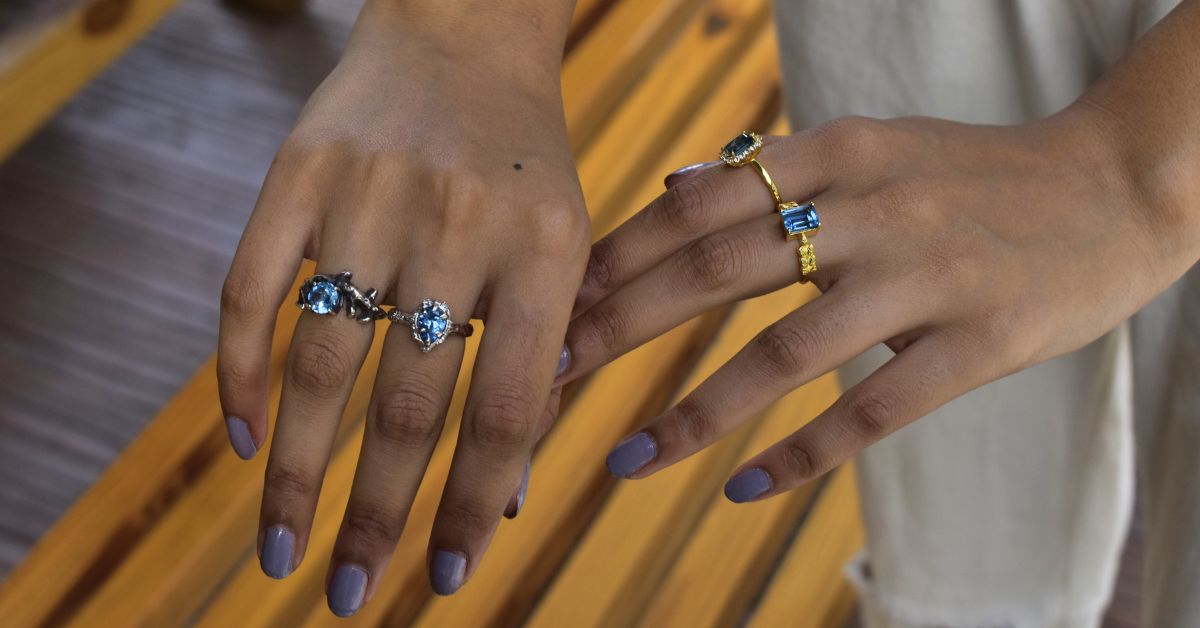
431	323
328	295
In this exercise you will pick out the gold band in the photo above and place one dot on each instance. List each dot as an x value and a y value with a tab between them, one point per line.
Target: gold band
807	257
766	177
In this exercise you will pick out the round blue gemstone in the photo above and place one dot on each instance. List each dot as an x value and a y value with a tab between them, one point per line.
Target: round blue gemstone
322	297
432	321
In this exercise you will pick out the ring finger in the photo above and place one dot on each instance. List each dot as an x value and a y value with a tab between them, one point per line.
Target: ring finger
408	408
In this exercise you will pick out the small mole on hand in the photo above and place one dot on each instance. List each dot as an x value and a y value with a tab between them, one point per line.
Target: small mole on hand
516	166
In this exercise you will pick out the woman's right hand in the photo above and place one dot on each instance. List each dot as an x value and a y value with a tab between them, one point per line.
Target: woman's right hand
432	163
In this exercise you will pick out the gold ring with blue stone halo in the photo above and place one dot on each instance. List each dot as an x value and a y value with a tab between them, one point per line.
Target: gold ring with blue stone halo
799	220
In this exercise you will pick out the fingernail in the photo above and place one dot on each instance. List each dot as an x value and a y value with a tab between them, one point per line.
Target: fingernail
446	571
512	513
240	438
564	360
747	485
631	454
278	545
686	170
347	589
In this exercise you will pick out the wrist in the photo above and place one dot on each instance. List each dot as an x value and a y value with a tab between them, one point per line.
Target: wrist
1153	175
522	37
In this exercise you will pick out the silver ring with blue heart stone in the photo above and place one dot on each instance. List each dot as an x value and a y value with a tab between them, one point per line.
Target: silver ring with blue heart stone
431	323
327	295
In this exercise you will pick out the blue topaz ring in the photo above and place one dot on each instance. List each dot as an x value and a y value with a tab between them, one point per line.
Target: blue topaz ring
743	150
327	295
800	220
431	323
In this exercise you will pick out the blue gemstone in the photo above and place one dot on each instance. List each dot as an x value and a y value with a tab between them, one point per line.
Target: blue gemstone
800	219
322	297
739	145
431	323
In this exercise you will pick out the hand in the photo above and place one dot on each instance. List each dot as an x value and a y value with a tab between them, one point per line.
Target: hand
433	163
971	251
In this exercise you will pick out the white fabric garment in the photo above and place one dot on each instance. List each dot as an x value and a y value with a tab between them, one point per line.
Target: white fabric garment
1008	506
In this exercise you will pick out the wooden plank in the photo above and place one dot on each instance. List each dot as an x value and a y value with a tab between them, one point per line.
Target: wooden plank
41	70
601	70
615	570
729	558
91	539
808	591
682	80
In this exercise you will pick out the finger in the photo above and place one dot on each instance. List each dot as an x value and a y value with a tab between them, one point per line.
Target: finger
323	362
262	271
548	417
919	379
700	204
746	260
804	345
509	390
412	393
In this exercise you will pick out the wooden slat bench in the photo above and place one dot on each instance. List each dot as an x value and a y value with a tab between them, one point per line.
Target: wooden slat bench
166	536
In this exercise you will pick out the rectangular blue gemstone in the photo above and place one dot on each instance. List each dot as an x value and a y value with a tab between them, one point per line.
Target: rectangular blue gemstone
800	219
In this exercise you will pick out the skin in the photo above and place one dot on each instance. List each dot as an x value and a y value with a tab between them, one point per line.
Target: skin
449	179
972	251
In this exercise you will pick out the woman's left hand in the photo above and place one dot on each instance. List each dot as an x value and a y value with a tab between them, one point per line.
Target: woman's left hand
972	251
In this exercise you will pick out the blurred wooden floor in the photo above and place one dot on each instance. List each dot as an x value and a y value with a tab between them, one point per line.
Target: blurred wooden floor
119	220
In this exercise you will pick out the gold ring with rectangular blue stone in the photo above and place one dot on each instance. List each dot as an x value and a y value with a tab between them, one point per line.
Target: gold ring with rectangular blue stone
799	220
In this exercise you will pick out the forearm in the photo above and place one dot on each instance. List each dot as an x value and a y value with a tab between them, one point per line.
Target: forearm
1149	106
524	38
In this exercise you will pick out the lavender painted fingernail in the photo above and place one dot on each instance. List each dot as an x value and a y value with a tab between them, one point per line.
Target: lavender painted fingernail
631	454
516	509
447	571
278	545
240	438
564	360
747	485
692	169
347	589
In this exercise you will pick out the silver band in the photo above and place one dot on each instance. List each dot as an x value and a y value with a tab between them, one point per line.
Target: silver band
328	295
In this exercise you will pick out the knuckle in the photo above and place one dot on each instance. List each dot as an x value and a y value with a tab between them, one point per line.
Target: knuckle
606	326
801	458
466	517
288	483
319	365
243	295
857	134
559	233
601	266
785	347
371	526
693	422
506	415
235	376
686	208
408	416
871	414
713	262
